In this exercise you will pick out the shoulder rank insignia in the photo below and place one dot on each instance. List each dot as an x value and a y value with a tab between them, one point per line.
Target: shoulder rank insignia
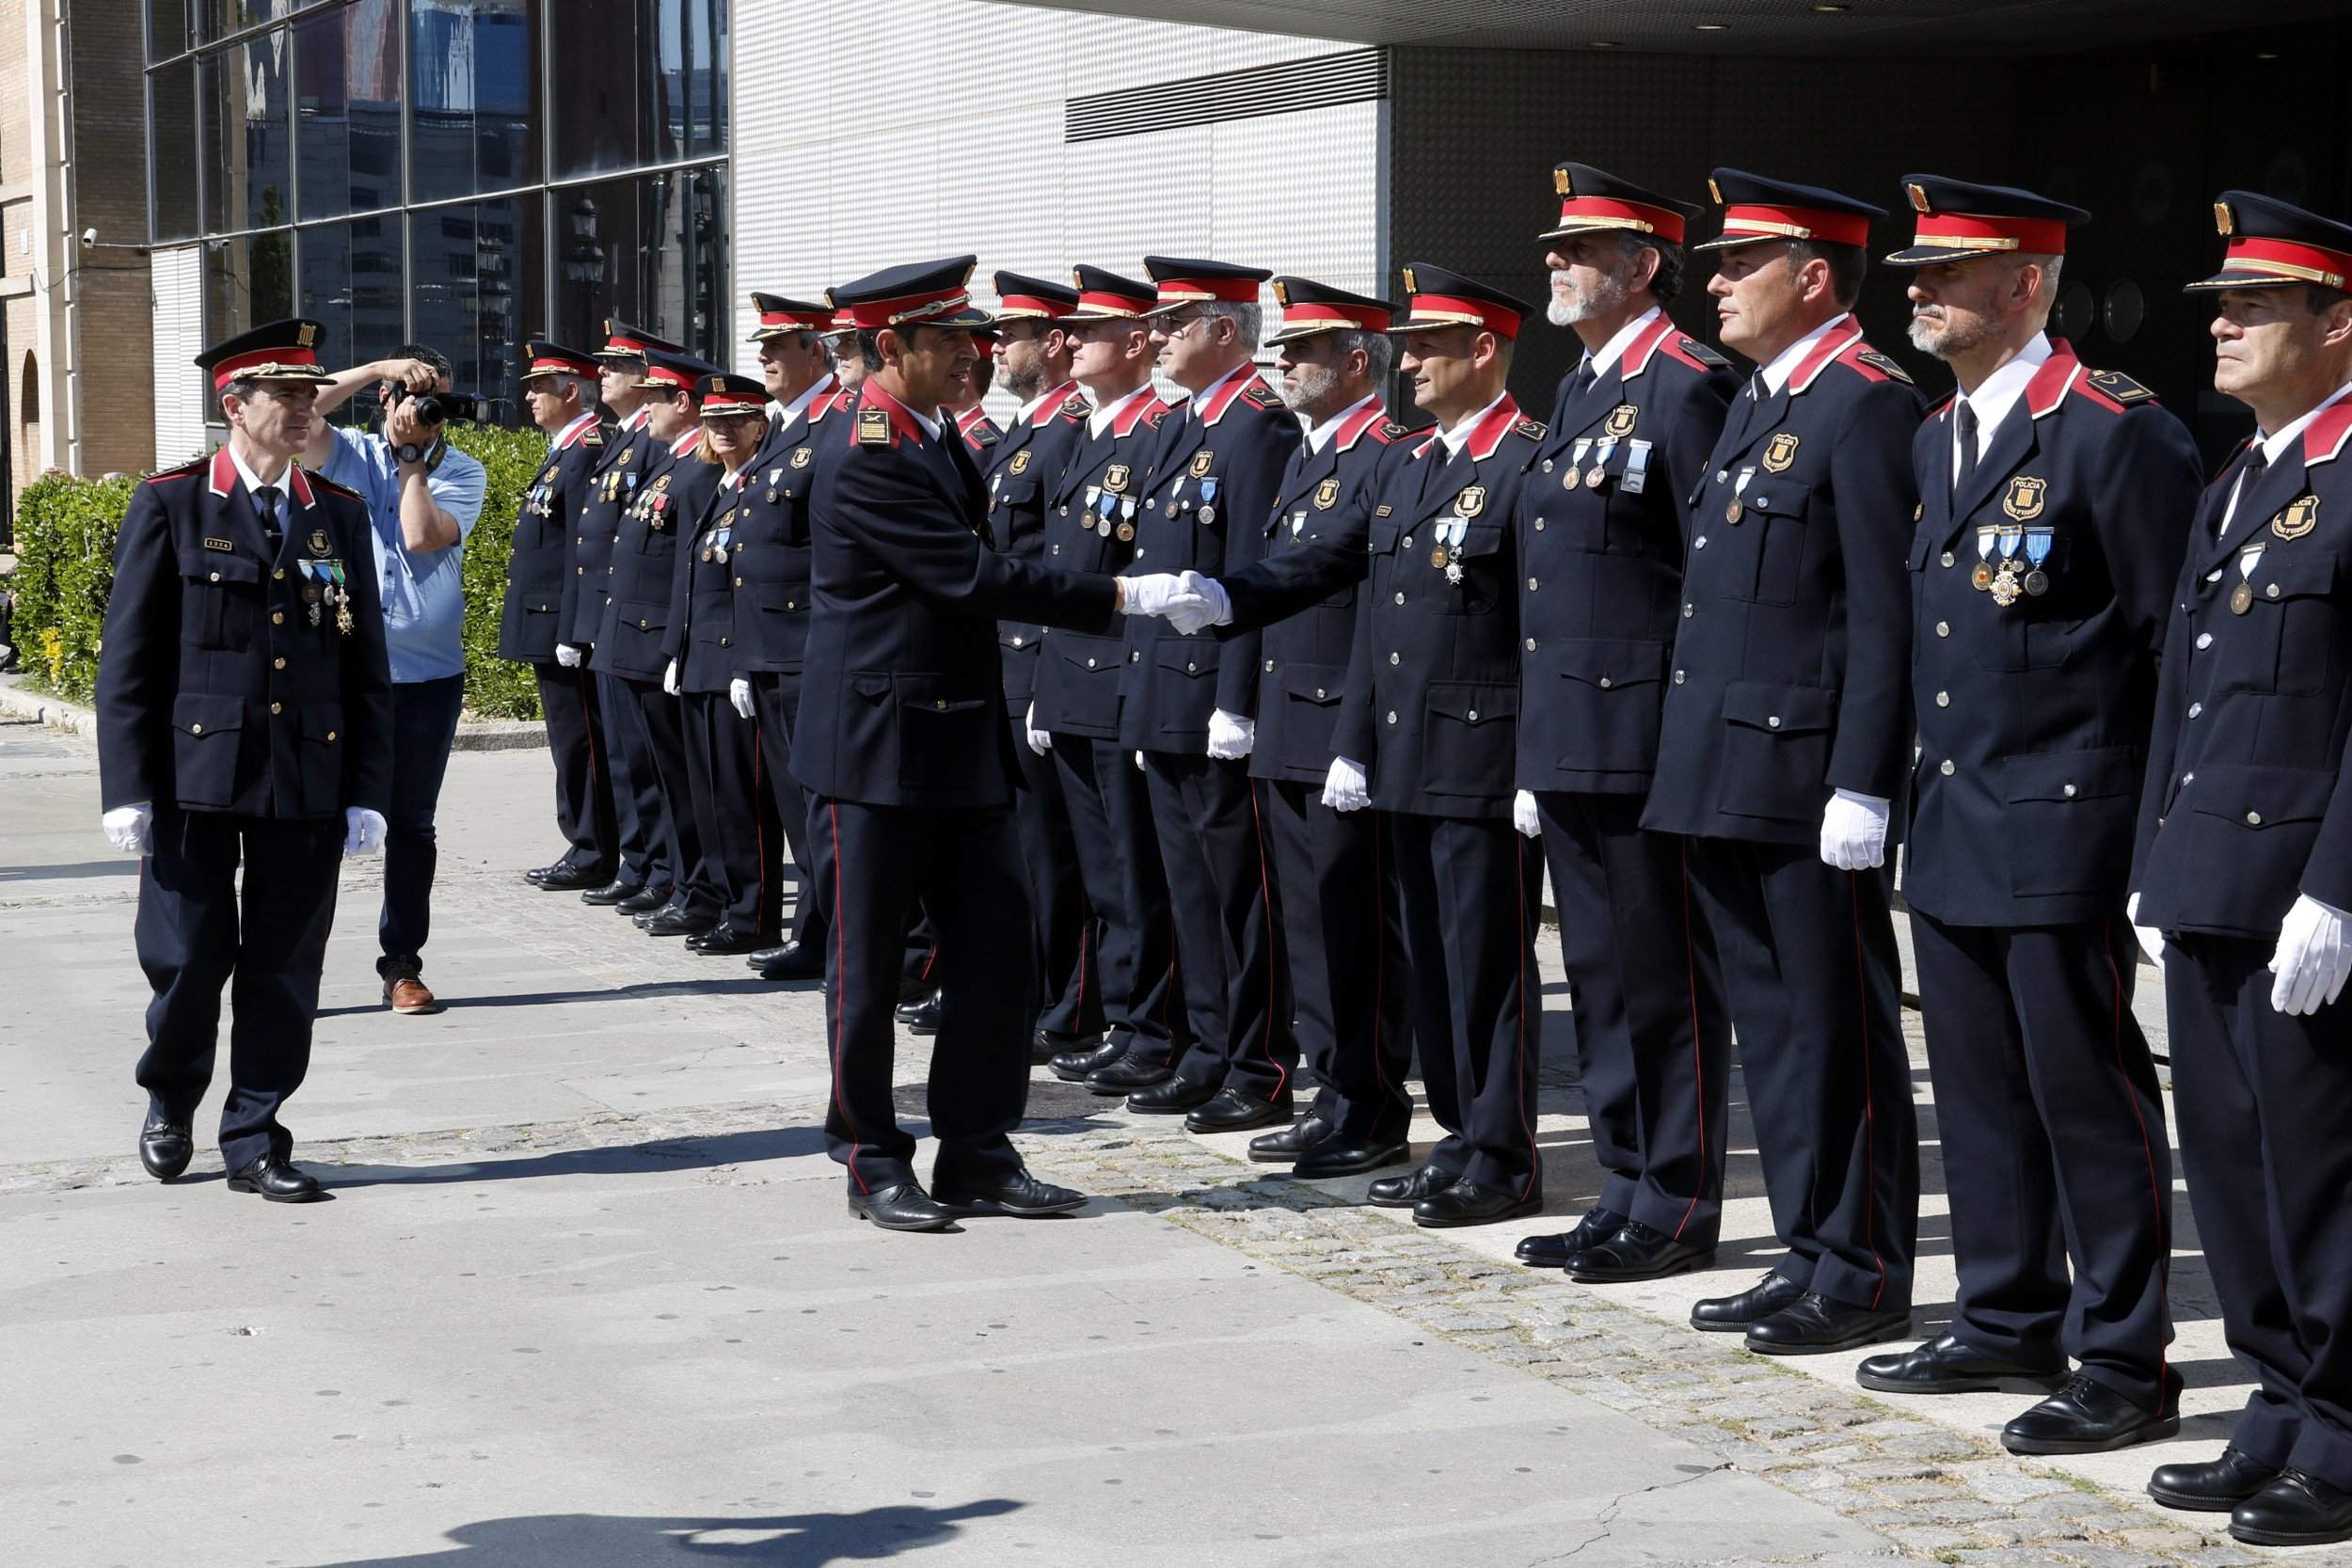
1884	366
873	427
2299	519
1534	429
1703	354
1262	395
1390	430
986	435
592	437
2121	387
1077	408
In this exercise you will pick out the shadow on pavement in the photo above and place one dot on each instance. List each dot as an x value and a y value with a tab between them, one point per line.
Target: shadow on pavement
777	1541
68	873
715	986
692	1153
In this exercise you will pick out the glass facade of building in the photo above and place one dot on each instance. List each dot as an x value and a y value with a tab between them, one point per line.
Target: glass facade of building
462	173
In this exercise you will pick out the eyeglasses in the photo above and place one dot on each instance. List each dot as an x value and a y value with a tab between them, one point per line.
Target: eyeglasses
1173	327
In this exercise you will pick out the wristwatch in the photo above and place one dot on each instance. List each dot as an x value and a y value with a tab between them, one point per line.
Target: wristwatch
409	451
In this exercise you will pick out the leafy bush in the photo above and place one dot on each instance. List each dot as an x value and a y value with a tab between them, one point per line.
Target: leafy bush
510	460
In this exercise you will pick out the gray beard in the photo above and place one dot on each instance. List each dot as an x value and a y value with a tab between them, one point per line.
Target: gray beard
1608	295
1311	386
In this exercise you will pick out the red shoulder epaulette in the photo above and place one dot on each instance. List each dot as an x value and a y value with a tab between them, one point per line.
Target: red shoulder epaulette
2112	390
1693	353
185	470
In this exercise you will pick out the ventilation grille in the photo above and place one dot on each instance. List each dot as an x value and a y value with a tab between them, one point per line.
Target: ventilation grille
1358	76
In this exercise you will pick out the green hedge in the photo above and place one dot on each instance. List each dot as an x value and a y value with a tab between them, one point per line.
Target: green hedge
65	540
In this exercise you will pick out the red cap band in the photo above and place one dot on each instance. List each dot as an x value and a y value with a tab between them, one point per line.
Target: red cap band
669	377
1103	300
1189	291
1370	318
807	321
2305	263
907	309
1762	221
1452	311
1024	306
728	403
1576	211
1988	231
261	362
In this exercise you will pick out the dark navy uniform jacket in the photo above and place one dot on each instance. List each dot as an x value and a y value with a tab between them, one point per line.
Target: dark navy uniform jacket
612	481
772	543
2247	801
541	573
703	607
1601	596
1211	486
1017	470
900	703
1789	671
1304	587
214	690
1092	510
670	494
1433	680
2033	717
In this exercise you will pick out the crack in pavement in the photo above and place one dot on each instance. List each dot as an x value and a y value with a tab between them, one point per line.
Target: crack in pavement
1606	1518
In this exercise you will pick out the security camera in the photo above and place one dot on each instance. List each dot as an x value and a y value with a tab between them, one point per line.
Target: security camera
90	238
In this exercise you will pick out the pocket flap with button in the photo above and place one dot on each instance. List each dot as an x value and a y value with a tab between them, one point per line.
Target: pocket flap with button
1187	657
643	615
222	565
1383	536
926	693
2090	775
322	722
2291	574
2259	797
1772	499
1473	703
1312	683
1611	663
872	684
1480	538
1780	709
204	713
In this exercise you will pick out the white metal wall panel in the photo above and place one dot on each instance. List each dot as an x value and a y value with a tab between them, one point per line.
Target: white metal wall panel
178	276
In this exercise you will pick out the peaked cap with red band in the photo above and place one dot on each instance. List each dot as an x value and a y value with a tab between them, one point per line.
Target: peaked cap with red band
1104	296
780	317
1179	283
1961	222
725	395
624	341
1757	208
1310	308
275	351
1592	201
921	293
541	357
2275	245
673	372
1020	298
1439	300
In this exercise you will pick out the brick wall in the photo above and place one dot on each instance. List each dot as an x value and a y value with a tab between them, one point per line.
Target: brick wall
110	194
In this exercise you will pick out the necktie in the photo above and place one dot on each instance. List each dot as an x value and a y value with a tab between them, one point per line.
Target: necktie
266	507
1966	468
2249	475
1580	381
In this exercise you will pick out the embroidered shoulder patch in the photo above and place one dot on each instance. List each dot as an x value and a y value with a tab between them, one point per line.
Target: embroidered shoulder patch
1532	429
1262	395
873	428
1703	354
2121	387
1884	366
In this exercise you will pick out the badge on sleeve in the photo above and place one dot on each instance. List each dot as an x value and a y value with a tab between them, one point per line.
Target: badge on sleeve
1328	495
2025	497
2299	519
1780	451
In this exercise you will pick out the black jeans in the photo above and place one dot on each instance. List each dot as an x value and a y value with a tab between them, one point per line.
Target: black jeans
424	722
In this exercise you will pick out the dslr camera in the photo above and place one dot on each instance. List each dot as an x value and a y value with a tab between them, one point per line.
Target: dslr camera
441	407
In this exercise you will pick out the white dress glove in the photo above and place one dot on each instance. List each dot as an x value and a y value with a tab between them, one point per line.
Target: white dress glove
1346	788
740	693
668	678
1853	832
129	829
1040	741
1140	768
2151	940
2312	958
1231	737
363	830
1523	815
568	656
1201	602
1149	595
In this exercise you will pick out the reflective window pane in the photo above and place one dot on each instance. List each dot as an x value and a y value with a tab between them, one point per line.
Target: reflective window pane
350	282
170	28
475	288
651	249
473	91
219	17
347	105
245	139
247	280
647	85
171	109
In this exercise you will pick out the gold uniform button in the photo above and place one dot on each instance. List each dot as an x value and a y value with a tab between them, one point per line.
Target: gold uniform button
738	582
1190	667
330	735
276	617
641	624
278	664
275	708
940	702
1943	629
280	575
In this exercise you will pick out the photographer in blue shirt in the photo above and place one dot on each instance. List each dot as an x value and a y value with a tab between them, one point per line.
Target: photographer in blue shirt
424	496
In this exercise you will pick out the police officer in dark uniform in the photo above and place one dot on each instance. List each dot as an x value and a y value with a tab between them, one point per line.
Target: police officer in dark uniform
2053	503
2244	864
1600	523
1093	504
1032	354
642	831
1428	733
558	389
1185	701
903	748
1343	946
245	722
1786	737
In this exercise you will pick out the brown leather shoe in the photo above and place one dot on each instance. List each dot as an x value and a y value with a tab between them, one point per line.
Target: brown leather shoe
410	994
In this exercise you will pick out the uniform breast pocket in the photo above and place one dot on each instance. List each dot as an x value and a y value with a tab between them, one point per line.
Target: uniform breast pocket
1472	741
2287	640
2067	826
1770	539
1471	581
941	729
1775	751
221	599
1383	537
204	748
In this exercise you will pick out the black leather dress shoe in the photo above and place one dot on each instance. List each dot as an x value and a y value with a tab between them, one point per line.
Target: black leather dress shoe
905	1207
537	874
276	1178
920	1015
1468	1203
2085	1416
644	901
573	879
1340	1157
164	1146
2215	1486
1813	1324
1733	1314
1282	1148
674	922
1404	1192
1045	1045
725	940
1129	1073
1020	1195
2296	1509
611	893
1946	1366
1231	1111
1637	1252
1073	1067
794	961
913	988
1173	1096
1554	1252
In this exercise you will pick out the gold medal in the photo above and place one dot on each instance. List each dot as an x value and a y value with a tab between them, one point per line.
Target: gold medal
1981	578
1126	532
1438	557
2241	598
1574	477
1594	475
1733	511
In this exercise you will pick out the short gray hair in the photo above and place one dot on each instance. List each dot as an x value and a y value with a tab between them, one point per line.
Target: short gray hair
1248	320
1380	350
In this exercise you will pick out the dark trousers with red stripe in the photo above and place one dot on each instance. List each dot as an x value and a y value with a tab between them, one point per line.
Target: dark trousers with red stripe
2260	1096
964	867
777	700
2052	1127
742	845
1227	923
1815	985
1119	858
640	808
1468	891
1344	940
584	779
1653	1042
1063	922
662	719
